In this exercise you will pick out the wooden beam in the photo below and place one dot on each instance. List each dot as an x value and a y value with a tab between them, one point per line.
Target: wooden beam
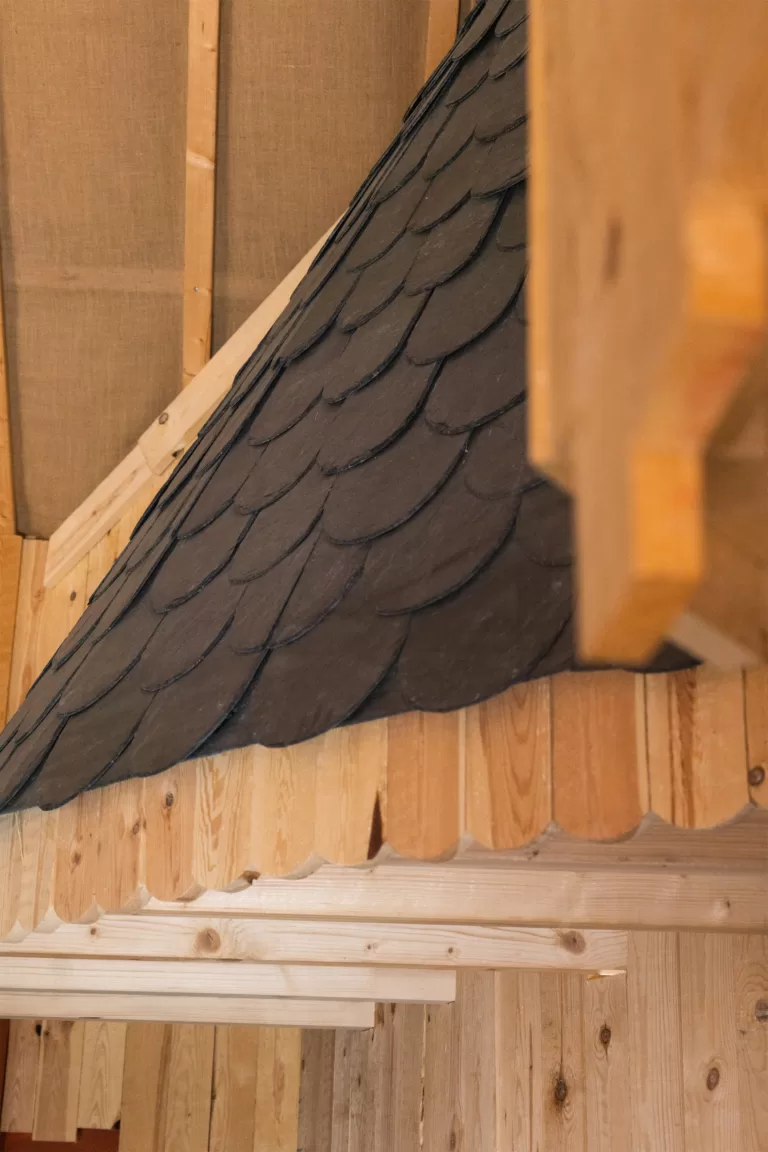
374	946
7	505
686	894
202	101
168	437
442	25
58	1081
71	977
188	1009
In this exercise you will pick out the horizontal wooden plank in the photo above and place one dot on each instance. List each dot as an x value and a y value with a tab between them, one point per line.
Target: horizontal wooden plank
225	978
280	1012
674	897
318	943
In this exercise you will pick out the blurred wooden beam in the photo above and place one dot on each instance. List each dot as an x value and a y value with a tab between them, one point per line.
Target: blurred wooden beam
643	334
202	101
7	508
442	25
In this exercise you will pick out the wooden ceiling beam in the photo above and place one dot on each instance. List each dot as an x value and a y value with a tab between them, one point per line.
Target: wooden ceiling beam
442	24
200	195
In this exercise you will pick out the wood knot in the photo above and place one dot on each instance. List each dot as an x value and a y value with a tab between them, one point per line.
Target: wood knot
93	930
561	1091
73	596
573	942
208	940
761	1011
453	1141
713	1078
605	1035
136	828
77	859
613	245
756	776
162	418
170	800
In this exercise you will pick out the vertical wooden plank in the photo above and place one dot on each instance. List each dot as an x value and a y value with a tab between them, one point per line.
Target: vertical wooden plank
476	1061
277	1090
101	1075
342	1084
519	1089
316	1090
5	1031
7	506
756	689
202	92
18	1101
599	779
77	858
606	1064
423	810
189	1084
562	1058
407	1061
350	767
441	32
283	800
58	1081
655	1049
142	1112
509	766
440	1129
10	574
697	746
751	978
170	801
233	1115
708	964
24	665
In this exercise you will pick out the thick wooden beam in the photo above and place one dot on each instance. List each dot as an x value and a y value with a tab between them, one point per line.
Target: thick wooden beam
7	507
442	25
202	100
188	1009
67	976
307	946
168	437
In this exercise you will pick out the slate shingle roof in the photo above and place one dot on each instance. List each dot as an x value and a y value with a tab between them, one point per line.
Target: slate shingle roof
356	531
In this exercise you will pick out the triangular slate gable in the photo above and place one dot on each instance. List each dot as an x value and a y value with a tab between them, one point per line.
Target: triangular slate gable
356	531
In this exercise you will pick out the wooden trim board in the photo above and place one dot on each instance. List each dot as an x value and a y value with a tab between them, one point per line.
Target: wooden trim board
69	976
187	1009
307	946
169	436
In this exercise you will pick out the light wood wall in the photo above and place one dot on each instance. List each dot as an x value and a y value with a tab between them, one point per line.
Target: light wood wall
672	1054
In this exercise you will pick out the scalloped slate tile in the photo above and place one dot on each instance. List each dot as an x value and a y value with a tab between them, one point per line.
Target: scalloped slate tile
320	314
512	17
278	529
544	526
388	489
373	417
380	282
223	484
505	106
482	26
471	75
19	768
454	138
414	152
299	386
510	51
505	165
285	460
328	575
450	188
264	597
374	346
387	225
111	660
466	307
450	245
496	463
512	231
198	559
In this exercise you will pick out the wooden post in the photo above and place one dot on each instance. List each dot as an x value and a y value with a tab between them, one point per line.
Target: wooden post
10	543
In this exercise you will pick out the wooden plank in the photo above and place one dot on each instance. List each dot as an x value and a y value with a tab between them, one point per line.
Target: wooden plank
751	979
708	965
316	1092
351	764
101	1075
727	893
10	572
58	1081
697	746
18	1101
202	100
756	692
142	1112
5	1030
424	802
509	767
564	1119
440	1131
169	813
24	665
606	1064
222	838
342	1091
68	976
655	1050
185	1009
277	1090
519	1088
233	1114
441	32
7	503
153	945
282	798
598	767
476	1060
370	1124
407	1088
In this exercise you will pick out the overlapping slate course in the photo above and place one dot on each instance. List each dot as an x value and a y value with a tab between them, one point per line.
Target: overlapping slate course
356	531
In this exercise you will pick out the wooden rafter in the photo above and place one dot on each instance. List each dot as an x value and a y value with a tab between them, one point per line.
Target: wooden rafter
441	32
202	99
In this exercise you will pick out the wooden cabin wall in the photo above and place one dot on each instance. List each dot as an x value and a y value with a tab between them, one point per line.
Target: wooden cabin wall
673	1054
591	753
